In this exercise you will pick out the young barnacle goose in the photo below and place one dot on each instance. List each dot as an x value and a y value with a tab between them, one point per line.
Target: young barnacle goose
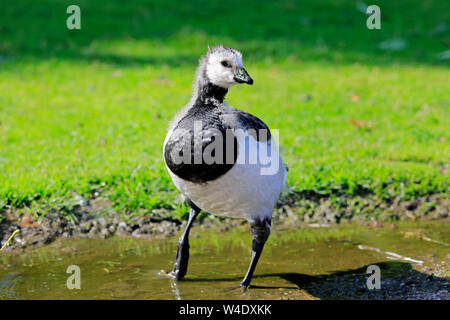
223	160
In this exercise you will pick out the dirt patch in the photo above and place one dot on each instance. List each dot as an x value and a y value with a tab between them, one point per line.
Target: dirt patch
314	208
399	282
97	219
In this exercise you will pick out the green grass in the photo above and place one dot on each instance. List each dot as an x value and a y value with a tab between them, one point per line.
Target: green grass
85	112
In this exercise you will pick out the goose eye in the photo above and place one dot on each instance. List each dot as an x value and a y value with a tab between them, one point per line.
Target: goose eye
225	63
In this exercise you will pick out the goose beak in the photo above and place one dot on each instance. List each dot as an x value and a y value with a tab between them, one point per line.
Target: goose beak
242	76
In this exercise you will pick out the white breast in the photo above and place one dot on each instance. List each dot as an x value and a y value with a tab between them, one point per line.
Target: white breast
246	191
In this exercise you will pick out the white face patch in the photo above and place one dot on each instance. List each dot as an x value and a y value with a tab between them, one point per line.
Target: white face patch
217	73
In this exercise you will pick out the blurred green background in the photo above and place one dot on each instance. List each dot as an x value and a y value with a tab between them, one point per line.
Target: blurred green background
83	113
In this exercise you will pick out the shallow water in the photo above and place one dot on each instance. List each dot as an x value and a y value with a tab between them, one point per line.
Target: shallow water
306	263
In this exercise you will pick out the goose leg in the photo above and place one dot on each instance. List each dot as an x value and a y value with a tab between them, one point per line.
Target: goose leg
260	232
182	258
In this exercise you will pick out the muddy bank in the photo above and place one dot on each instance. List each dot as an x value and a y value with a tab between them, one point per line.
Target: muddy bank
88	219
400	282
314	208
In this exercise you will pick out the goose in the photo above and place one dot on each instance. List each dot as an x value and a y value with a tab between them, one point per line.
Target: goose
224	161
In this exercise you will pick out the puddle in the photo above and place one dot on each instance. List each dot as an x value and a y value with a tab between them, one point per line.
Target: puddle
306	263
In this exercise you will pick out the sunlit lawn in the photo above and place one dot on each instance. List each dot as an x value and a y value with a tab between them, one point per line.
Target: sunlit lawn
85	112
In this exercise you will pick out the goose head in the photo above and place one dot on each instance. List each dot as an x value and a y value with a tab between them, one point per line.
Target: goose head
224	67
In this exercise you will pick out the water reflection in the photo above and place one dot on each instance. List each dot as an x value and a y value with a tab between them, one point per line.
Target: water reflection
305	264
